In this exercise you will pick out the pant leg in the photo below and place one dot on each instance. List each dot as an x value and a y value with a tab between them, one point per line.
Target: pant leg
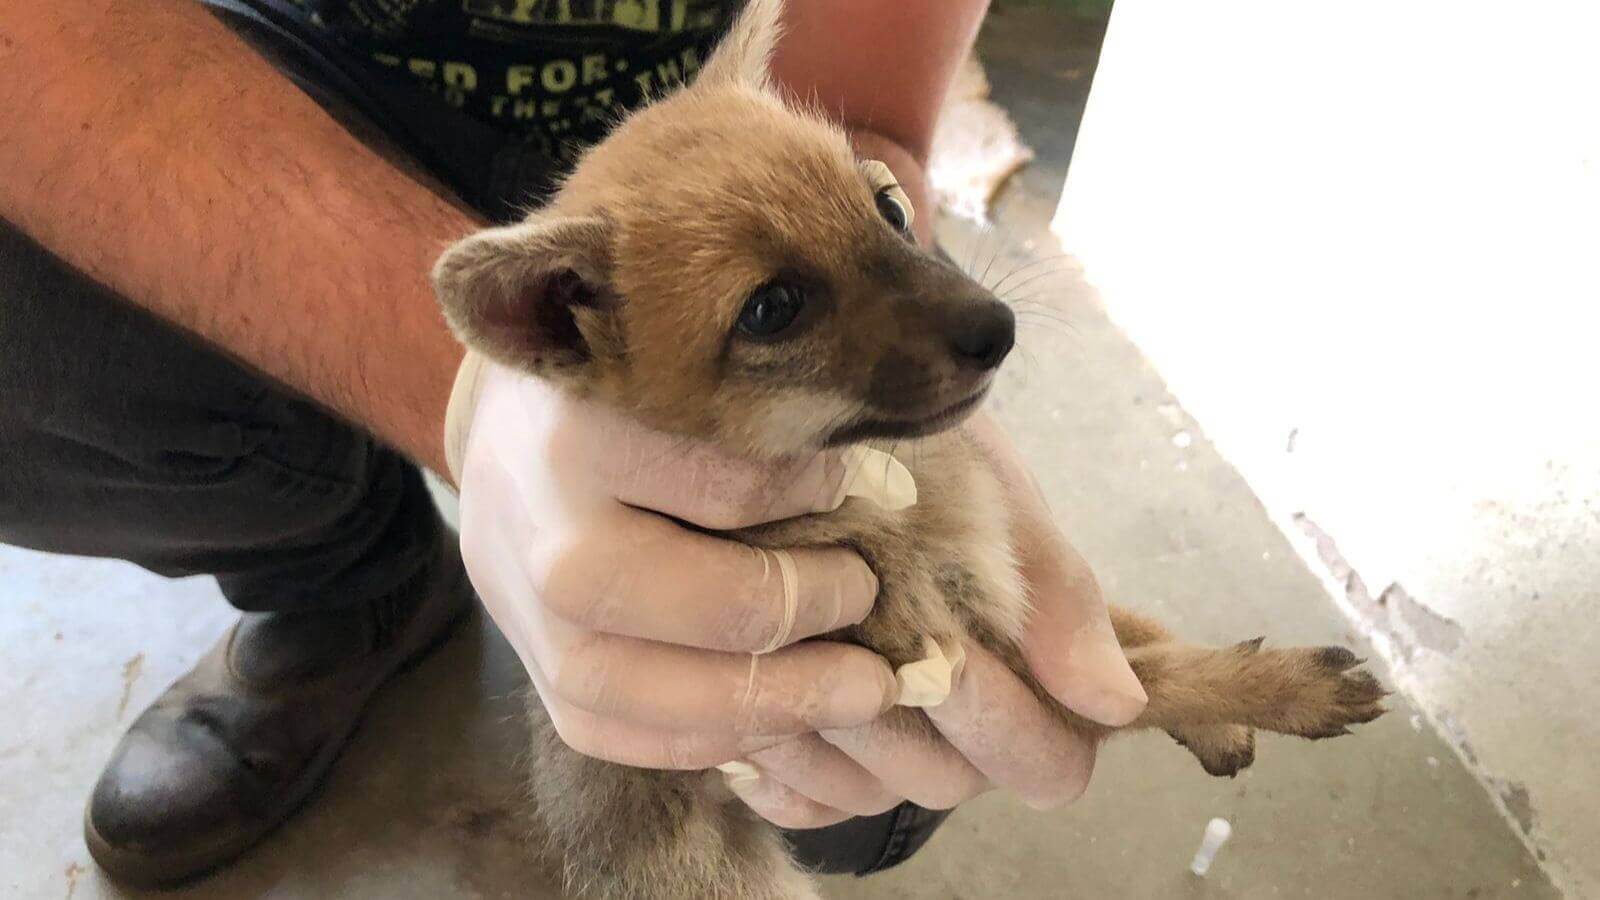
868	844
123	437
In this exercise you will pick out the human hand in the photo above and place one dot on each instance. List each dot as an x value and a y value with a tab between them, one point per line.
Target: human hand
992	730
640	634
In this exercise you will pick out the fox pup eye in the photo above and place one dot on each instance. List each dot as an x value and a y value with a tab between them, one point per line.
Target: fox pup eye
895	207
772	308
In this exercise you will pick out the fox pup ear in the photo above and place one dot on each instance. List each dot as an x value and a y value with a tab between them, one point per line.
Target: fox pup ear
742	57
512	293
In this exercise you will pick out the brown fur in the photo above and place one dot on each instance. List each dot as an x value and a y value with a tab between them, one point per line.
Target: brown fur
626	288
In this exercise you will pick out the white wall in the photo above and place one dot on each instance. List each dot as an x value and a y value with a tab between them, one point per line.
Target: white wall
1361	241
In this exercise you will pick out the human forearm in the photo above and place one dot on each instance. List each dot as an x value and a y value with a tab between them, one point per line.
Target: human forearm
152	149
882	68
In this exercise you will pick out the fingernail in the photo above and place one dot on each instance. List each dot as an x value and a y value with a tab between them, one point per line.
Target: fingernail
740	773
867	589
1104	686
820	486
871	475
836	472
852	697
927	682
890	688
759	742
855	591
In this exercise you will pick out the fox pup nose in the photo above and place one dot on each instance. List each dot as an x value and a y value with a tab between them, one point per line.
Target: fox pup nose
983	334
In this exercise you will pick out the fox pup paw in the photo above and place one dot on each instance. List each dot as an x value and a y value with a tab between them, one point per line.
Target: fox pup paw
1223	750
1326	692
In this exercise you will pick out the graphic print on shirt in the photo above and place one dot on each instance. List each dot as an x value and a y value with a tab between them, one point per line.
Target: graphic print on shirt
638	15
556	73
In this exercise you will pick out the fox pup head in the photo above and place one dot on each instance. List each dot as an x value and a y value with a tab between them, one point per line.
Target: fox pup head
723	266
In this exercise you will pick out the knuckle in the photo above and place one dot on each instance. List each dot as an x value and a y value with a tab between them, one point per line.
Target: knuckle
724	495
675	752
947	795
865	800
722	514
808	820
1073	780
858	807
681	752
753	623
574	577
1083	582
879	805
750	498
582	675
585	740
577	737
788	756
569	604
1077	784
475	554
795	815
951	785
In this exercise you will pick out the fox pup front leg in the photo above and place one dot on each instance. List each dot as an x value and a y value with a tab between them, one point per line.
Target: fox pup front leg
1212	700
1223	750
1310	692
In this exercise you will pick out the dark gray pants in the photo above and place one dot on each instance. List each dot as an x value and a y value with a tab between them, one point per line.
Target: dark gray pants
123	437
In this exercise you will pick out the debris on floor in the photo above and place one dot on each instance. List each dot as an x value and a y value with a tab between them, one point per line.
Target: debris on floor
1217	833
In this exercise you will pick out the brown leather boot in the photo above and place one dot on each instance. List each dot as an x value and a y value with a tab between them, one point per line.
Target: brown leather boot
235	746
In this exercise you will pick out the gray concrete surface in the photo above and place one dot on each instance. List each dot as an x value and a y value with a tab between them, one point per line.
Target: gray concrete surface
423	804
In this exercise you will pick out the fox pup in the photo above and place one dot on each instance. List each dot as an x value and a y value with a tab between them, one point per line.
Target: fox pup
722	266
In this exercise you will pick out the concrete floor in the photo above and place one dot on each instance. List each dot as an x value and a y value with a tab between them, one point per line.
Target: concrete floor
422	803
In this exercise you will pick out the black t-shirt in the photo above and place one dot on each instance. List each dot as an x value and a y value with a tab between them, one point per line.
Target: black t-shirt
551	73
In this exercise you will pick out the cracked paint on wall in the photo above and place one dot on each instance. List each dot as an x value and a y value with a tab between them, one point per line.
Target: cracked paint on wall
1405	623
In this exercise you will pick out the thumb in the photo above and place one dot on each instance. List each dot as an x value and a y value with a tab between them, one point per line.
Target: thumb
1071	646
458	415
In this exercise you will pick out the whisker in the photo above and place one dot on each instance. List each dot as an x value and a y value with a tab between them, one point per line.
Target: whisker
1039	308
999	247
1055	325
1033	271
1030	363
1034	279
1061	328
1029	266
1041	302
1038	303
984	233
1042	312
1044	298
